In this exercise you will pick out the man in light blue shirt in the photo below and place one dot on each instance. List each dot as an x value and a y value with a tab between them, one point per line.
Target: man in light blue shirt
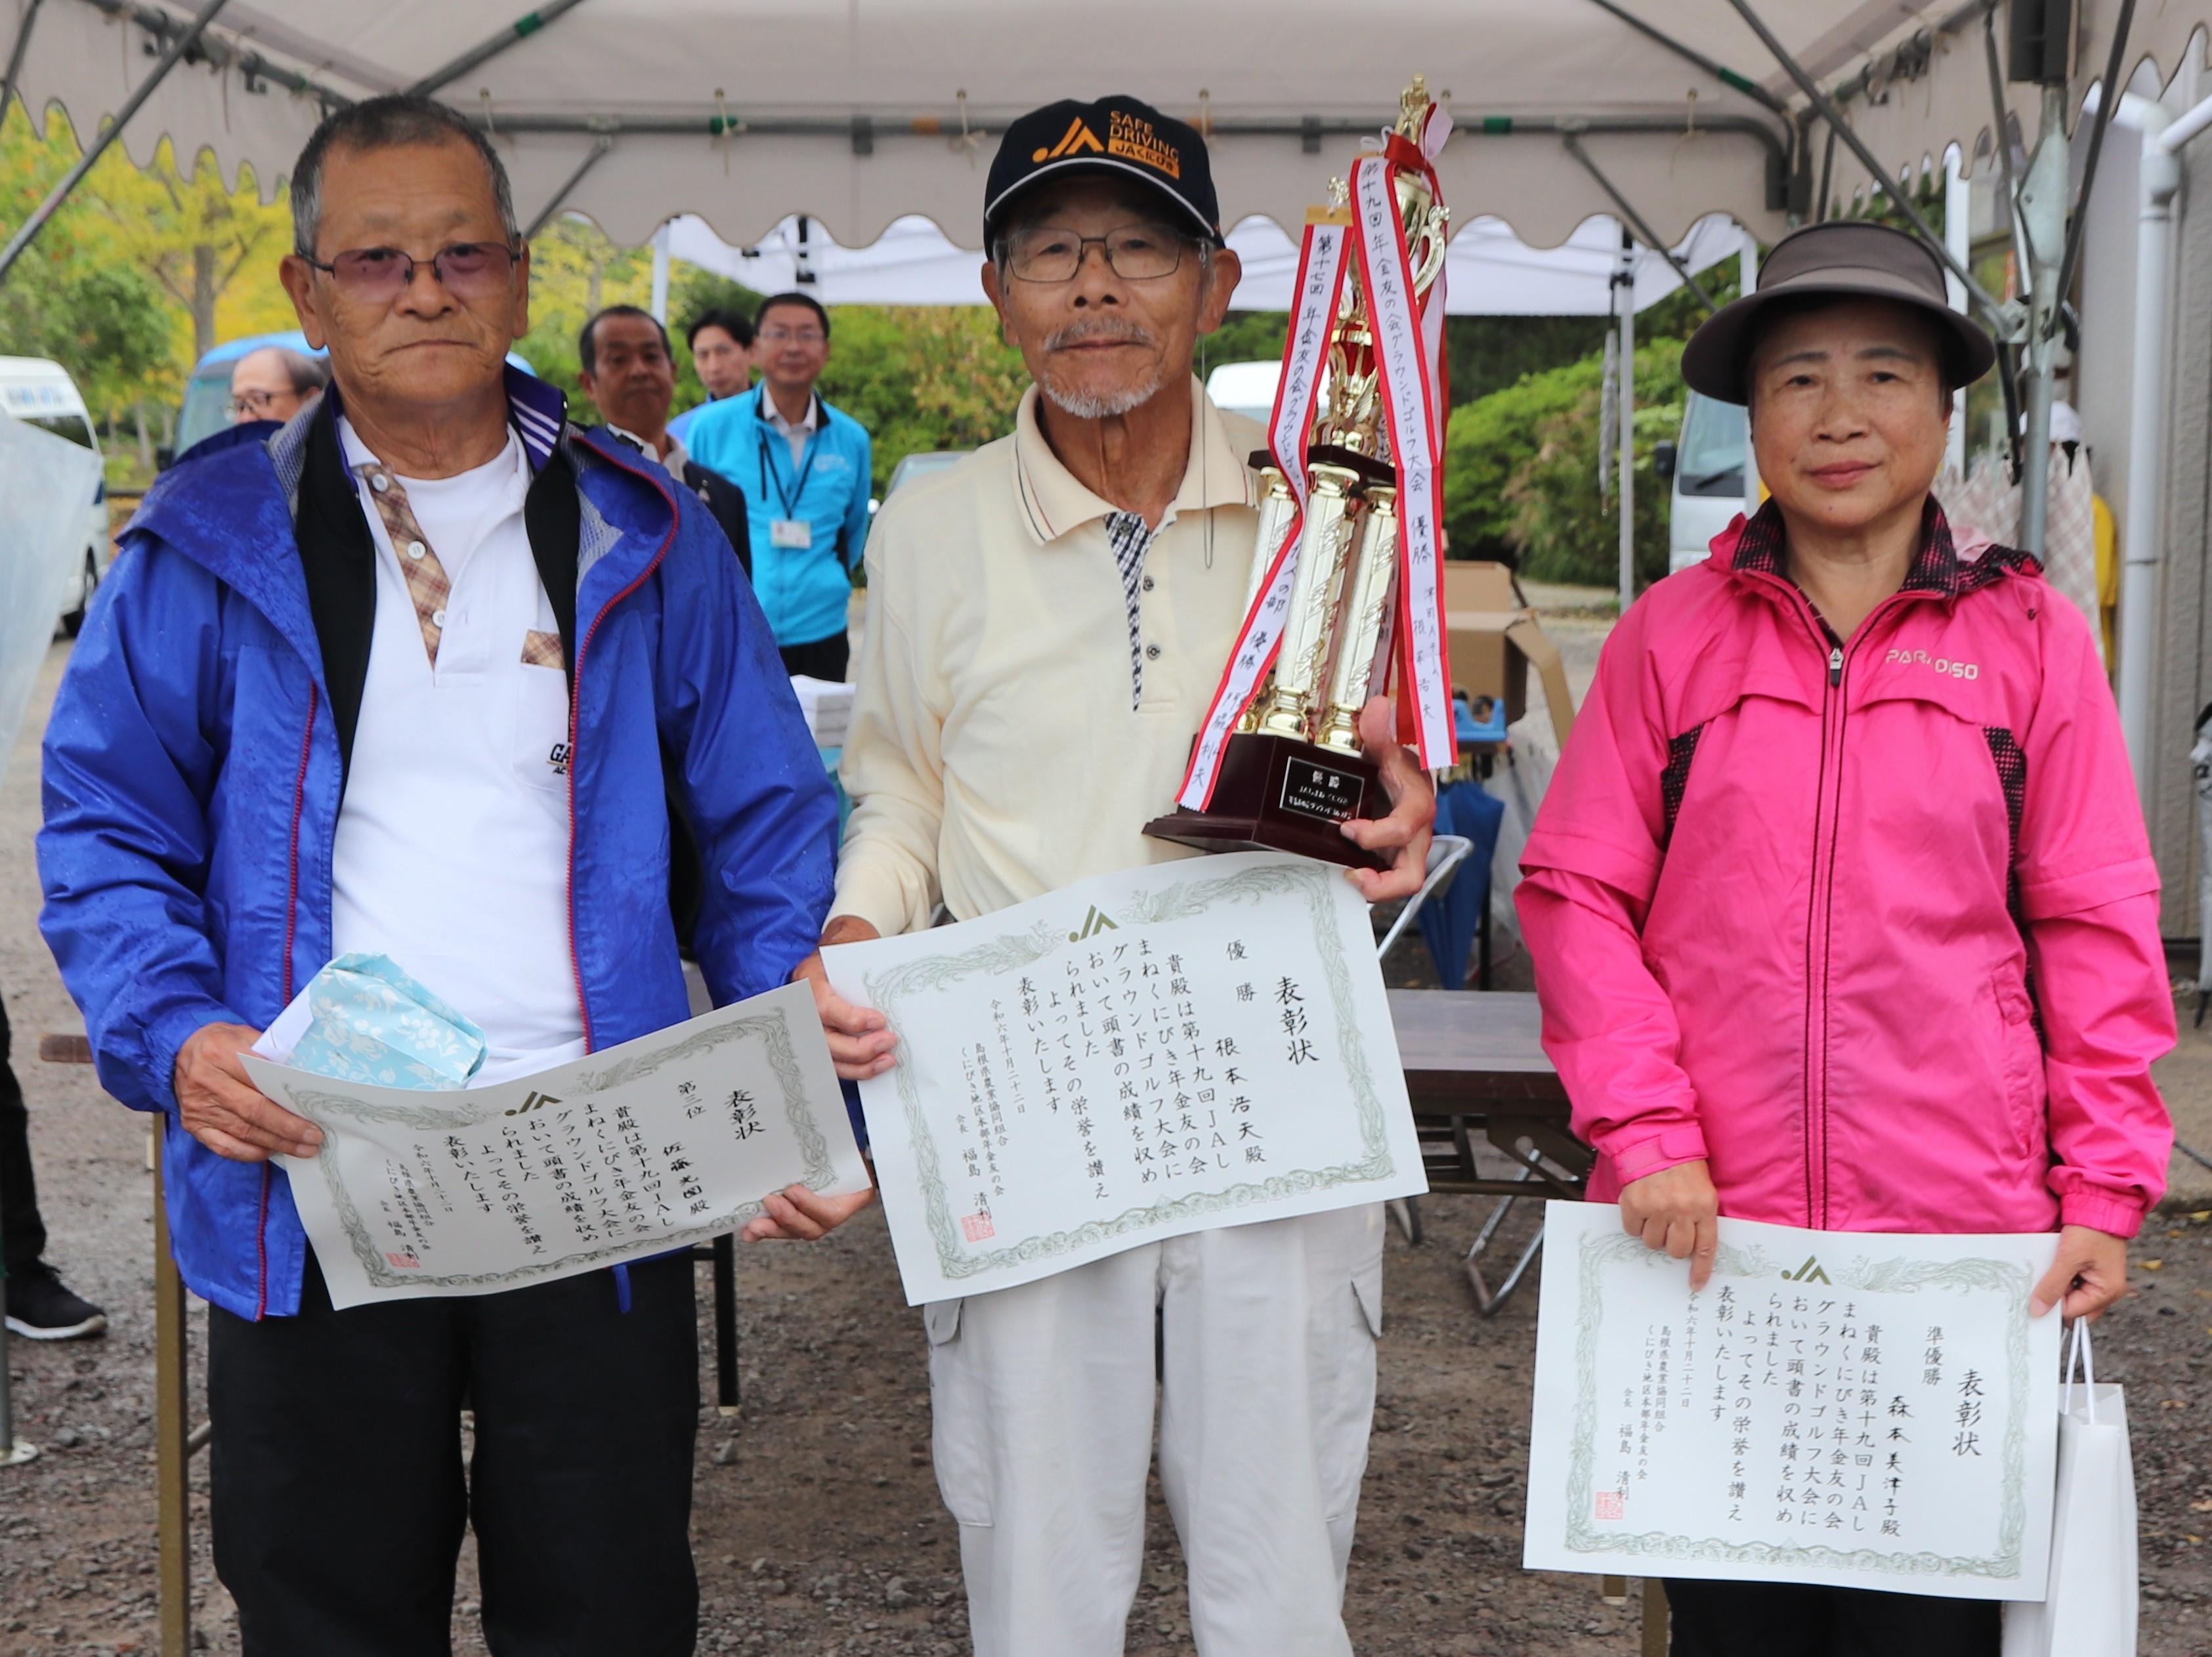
807	469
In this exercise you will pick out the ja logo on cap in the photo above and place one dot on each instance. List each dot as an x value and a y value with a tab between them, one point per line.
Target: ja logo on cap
1078	140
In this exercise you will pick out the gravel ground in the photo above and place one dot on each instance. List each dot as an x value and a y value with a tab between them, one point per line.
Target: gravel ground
818	1526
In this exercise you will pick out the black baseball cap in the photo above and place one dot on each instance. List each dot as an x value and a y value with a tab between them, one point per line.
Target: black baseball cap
1119	136
1843	259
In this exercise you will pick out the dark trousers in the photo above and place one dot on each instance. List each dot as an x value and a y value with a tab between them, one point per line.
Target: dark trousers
339	1497
1774	1619
825	658
23	1233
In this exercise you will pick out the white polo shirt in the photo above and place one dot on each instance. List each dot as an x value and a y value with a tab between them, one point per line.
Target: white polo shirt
451	851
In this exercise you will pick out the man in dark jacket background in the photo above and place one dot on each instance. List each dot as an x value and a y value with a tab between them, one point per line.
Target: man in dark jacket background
405	677
630	377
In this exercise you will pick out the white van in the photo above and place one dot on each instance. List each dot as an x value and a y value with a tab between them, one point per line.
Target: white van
1246	388
1706	469
41	393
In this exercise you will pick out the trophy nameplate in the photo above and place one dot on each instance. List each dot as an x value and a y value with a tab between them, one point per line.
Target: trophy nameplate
1280	793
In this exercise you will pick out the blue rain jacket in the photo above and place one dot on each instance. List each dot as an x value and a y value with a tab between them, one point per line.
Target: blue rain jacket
192	785
804	590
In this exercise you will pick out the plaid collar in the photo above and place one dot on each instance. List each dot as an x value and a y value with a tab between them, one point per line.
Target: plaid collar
1936	568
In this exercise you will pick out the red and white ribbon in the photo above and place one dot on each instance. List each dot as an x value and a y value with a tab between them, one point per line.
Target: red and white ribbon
1305	357
1404	358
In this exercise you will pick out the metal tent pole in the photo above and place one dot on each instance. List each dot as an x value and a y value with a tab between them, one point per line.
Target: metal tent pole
2043	219
2105	105
169	60
1718	71
2006	320
1635	220
2143	527
15	62
514	34
1958	236
660	304
600	147
1747	282
1624	282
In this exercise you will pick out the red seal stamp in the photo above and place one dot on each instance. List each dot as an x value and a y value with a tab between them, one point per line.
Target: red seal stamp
404	1261
1611	1504
976	1227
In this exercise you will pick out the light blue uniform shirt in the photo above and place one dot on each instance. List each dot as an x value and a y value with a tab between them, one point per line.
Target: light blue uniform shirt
805	590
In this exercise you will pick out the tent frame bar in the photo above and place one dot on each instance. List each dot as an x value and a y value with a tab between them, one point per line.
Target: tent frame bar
514	34
1949	24
14	69
600	147
2006	319
222	53
2105	105
1651	238
174	55
1720	71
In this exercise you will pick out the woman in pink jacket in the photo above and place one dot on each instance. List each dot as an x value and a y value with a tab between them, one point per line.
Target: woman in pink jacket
1841	905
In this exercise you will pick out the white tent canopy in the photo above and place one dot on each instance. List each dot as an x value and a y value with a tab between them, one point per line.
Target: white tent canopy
861	112
1491	273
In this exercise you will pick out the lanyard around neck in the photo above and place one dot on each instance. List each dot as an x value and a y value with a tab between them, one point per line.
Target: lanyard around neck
790	498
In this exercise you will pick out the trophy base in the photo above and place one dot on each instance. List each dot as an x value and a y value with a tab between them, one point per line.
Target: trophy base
1279	793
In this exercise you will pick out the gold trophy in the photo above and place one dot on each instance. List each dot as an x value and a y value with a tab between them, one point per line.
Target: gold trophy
1293	769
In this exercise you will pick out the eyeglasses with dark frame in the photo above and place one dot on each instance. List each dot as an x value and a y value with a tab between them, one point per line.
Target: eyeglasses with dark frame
466	269
1136	252
255	405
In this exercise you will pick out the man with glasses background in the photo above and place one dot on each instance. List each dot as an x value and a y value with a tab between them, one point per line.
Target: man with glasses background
806	468
408	677
1047	622
275	382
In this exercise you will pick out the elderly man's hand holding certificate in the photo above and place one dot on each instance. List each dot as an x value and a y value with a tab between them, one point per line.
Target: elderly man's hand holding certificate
1194	1044
424	1185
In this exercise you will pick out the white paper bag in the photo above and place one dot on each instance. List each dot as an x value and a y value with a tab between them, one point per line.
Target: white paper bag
2089	1609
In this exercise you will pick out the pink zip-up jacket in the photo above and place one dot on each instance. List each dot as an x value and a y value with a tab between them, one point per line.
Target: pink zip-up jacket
1871	926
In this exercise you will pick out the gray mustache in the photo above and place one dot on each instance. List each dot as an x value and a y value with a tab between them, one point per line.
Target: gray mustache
1076	333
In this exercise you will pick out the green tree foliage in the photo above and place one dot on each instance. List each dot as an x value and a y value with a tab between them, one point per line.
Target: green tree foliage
1244	337
1520	478
103	323
922	377
74	295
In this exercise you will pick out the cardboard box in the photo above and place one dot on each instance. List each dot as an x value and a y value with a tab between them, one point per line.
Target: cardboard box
1492	637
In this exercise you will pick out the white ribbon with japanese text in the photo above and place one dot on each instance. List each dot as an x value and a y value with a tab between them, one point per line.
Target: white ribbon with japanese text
1320	284
1403	359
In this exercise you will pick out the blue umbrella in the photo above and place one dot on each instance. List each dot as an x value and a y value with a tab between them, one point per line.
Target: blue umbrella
1450	919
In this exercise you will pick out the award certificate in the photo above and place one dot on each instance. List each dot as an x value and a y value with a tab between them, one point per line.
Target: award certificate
1857	1409
644	1148
1199	1042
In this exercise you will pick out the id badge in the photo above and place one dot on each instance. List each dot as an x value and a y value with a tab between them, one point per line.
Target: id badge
794	532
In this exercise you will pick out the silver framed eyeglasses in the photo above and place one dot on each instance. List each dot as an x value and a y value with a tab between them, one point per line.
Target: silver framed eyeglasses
1135	253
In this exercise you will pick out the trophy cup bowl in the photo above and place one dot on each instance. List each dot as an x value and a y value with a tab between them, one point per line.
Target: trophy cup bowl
1293	772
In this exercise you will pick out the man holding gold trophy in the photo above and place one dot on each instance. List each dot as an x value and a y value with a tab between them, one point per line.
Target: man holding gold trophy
1047	626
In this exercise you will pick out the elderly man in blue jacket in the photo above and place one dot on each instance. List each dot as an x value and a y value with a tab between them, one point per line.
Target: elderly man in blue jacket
423	673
